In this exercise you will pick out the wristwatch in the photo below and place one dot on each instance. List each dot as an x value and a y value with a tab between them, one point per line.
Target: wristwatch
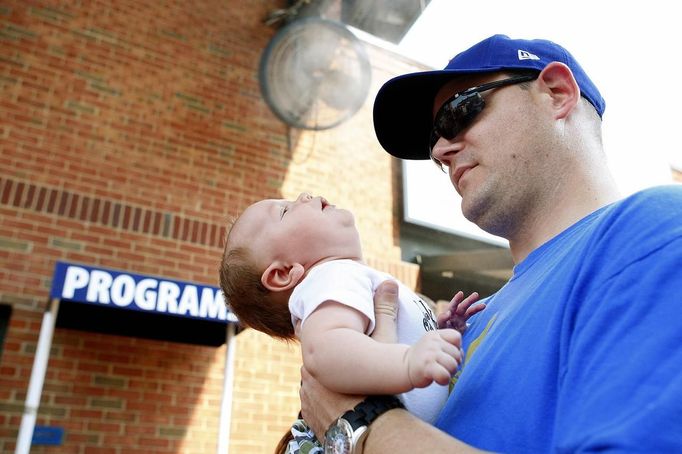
347	434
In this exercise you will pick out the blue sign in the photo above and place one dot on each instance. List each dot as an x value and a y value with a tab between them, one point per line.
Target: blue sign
100	286
47	436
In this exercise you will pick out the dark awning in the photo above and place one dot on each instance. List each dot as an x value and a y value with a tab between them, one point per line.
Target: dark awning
123	303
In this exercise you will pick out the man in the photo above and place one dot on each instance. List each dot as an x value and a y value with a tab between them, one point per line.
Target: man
581	349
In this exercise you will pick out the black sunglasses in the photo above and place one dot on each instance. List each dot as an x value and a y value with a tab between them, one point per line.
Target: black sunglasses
460	109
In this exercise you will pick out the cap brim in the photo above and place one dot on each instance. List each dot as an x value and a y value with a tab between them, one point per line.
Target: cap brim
403	111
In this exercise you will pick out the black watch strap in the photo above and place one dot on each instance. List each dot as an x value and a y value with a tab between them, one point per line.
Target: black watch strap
370	409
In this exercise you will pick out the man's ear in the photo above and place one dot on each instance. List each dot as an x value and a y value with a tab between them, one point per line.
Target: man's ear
558	81
281	276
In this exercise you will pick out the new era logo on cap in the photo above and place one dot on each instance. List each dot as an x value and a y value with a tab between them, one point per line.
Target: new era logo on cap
525	55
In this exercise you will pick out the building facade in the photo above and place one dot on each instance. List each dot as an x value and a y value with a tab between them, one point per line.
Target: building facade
130	134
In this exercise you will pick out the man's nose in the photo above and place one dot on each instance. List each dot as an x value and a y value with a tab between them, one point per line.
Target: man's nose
444	151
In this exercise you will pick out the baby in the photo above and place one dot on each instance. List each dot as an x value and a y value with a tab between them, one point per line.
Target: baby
294	270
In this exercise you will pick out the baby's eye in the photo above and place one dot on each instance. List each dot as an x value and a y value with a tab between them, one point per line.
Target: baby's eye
284	210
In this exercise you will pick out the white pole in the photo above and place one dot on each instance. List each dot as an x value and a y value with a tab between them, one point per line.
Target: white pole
228	383
35	384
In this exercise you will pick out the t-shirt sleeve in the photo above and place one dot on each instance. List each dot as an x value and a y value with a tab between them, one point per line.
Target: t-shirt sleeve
339	282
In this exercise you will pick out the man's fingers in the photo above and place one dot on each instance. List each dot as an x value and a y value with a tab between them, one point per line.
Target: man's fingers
386	298
387	291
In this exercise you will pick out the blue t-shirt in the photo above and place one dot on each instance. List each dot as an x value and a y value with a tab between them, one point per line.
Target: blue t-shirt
582	349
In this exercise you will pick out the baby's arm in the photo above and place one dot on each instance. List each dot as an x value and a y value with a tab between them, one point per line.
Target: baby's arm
459	311
338	354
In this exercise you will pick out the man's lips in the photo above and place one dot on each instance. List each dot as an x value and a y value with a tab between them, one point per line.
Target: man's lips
459	172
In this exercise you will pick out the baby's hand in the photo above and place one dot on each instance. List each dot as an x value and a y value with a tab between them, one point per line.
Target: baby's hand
459	311
434	357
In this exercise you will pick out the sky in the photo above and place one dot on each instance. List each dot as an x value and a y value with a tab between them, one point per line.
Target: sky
629	49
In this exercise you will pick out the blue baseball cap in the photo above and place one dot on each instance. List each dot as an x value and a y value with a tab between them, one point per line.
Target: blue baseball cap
403	108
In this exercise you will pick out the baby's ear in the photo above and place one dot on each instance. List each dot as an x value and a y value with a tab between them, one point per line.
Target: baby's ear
280	276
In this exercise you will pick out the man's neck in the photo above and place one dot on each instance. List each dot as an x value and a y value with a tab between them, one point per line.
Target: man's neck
558	213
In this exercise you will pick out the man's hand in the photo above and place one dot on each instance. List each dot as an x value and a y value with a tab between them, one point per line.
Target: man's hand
459	311
386	312
434	357
321	407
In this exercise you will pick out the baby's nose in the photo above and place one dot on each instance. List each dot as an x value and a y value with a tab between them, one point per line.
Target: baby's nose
304	197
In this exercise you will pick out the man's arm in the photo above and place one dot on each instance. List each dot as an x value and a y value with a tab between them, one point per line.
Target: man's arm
396	431
399	432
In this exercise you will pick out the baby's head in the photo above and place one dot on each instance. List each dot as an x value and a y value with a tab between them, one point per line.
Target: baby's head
269	250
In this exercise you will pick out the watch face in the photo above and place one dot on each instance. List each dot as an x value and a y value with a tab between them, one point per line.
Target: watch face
339	438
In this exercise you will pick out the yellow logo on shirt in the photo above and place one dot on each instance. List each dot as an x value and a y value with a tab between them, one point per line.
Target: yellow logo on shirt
470	351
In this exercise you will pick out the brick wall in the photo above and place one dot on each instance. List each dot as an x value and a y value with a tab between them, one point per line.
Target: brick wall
129	133
117	394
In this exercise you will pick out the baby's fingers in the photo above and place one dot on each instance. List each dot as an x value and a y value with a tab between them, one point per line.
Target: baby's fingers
452	306
451	336
442	318
440	374
464	305
445	366
474	310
